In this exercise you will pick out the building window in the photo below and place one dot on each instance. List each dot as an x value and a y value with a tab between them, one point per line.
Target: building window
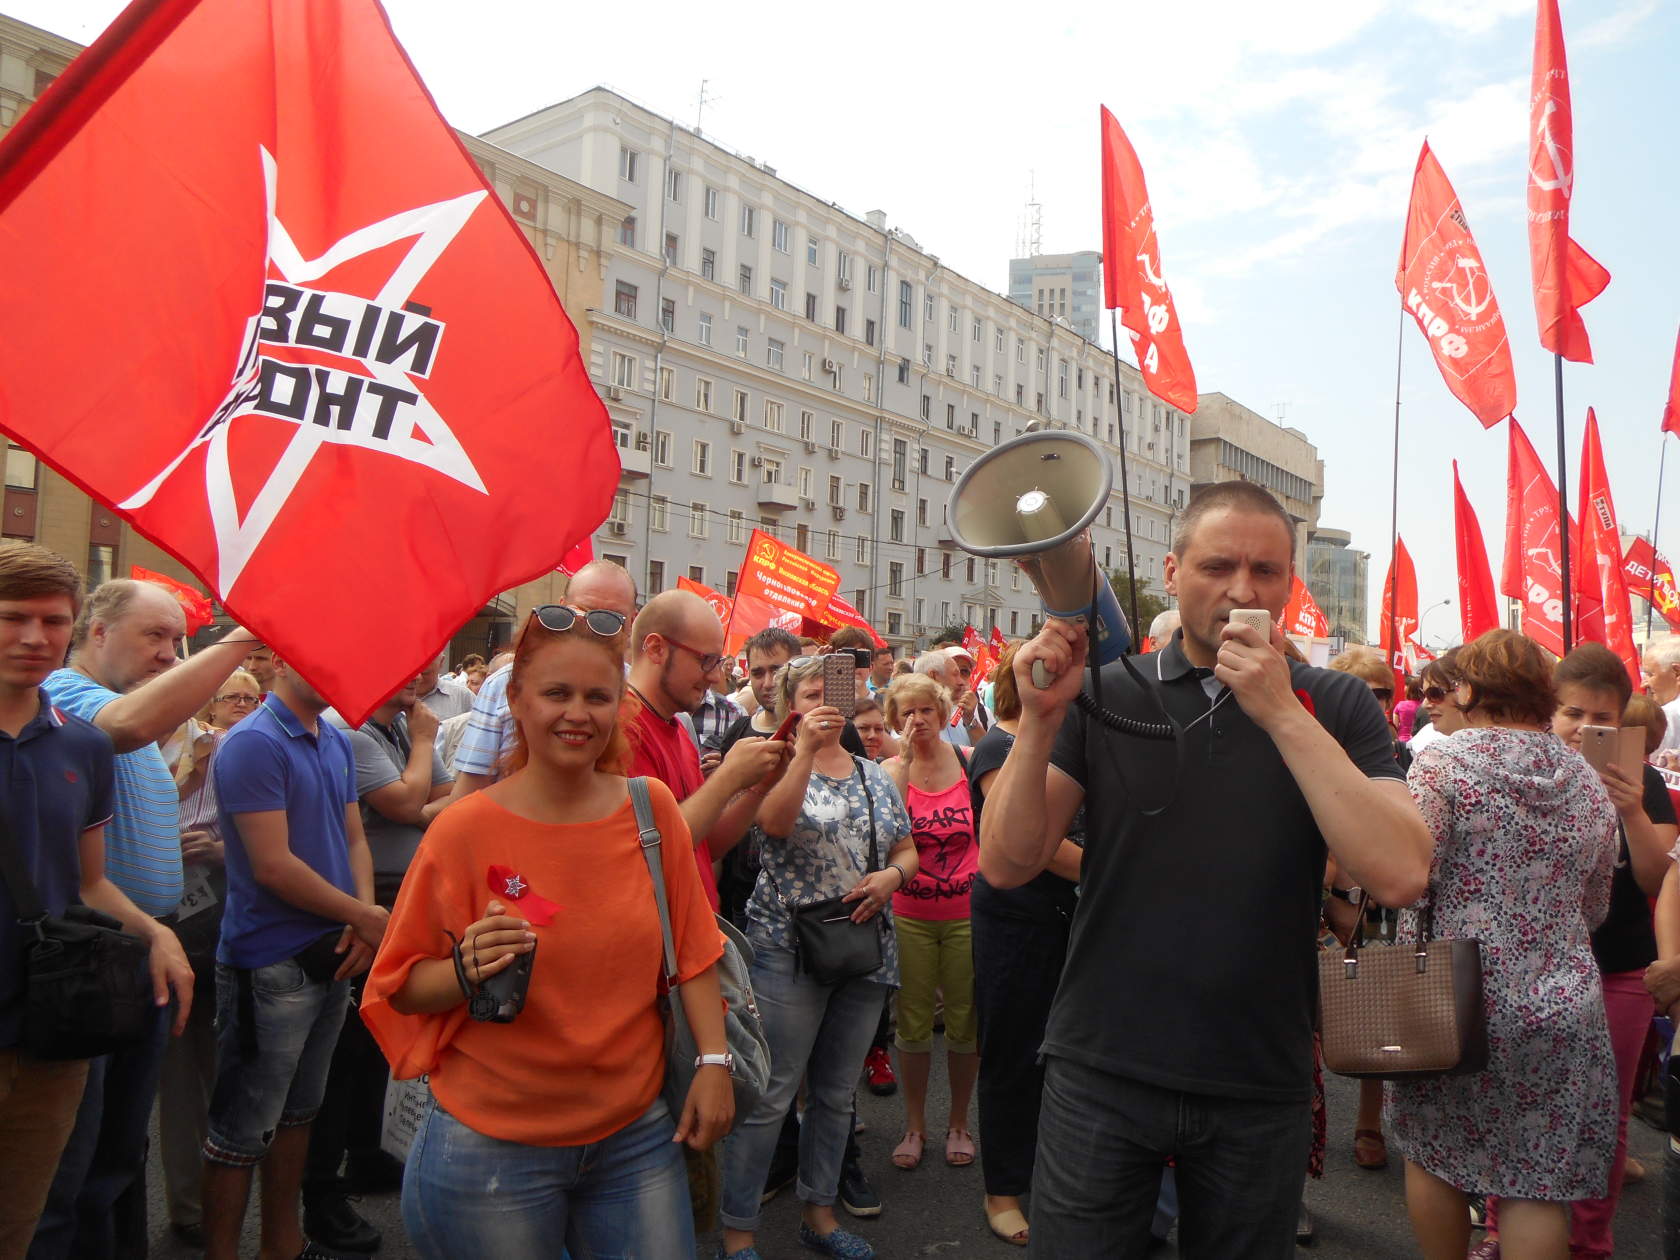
950	470
740	411
705	329
671	244
978	326
813	253
921	512
778	294
624	300
895	581
905	297
839	378
866	443
808	367
673	184
868	387
927	407
773	416
668	314
863	496
662	448
951	321
927	354
874	278
697	524
623	371
951	416
840	320
804	482
738	467
779	236
831	549
749	221
868	332
659	510
974	376
808	426
746	279
999	341
656	575
843	268
702	458
945	565
862	552
904	371
741	340
627	231
1020	350
708	264
927	307
1062	379
711	203
737	531
950	365
895	527
836	490
773	353
811	307
729	579
922	461
836	434
102	564
629	164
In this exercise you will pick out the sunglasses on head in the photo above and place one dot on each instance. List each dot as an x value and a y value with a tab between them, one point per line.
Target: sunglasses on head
559	618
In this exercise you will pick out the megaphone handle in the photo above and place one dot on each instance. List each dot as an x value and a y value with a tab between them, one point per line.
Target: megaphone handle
1042	678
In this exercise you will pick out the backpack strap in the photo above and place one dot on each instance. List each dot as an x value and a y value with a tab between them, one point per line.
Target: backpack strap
648	830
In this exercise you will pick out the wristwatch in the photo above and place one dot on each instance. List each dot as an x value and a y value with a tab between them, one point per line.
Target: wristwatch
1347	894
724	1061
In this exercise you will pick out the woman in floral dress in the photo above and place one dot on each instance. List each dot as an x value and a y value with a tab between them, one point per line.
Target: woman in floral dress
1525	845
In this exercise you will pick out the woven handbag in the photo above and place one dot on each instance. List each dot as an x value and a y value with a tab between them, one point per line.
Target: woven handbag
1402	1012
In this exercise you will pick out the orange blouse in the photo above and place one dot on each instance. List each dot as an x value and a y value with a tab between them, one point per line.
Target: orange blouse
587	1054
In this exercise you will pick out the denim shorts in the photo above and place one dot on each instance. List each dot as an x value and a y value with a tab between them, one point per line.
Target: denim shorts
274	1044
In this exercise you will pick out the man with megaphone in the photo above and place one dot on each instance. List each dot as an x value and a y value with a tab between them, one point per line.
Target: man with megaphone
1182	1027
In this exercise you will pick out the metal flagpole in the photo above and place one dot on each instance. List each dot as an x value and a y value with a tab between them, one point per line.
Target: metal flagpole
1391	587
1563	510
1125	477
1656	519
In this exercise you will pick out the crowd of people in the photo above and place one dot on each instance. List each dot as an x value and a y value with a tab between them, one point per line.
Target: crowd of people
328	909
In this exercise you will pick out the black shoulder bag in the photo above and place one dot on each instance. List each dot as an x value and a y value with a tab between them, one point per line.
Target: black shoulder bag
87	992
830	947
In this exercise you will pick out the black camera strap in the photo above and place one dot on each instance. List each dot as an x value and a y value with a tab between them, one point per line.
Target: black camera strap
25	900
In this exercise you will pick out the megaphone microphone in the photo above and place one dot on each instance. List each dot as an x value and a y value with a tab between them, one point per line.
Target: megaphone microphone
1032	500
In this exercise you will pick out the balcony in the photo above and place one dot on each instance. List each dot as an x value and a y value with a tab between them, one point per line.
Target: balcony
777	496
635	462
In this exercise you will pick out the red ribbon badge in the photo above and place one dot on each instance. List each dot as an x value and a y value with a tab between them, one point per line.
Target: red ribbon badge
508	883
1306	700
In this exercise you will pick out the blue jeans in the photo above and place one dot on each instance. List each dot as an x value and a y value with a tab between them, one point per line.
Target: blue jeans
96	1209
1102	1141
273	1047
820	1032
626	1196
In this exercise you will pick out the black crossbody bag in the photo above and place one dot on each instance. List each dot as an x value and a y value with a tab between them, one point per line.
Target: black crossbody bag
86	991
828	945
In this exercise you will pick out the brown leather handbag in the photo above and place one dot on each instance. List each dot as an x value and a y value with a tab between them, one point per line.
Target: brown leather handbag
1402	1012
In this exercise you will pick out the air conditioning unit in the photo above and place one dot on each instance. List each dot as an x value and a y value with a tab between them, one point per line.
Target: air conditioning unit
839	512
810	448
758	461
614	392
828	365
844	284
644	442
737	426
619	527
834	452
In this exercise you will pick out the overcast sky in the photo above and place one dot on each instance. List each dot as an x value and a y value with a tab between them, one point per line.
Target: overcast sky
1279	143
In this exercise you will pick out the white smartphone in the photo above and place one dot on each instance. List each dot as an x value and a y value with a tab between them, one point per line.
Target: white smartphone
1259	618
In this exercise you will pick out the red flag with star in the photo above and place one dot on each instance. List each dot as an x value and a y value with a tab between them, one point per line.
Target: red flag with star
311	355
1532	572
1566	277
1650	577
1132	273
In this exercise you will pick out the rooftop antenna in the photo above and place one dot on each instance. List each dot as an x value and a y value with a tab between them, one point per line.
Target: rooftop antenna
700	105
1282	410
1035	218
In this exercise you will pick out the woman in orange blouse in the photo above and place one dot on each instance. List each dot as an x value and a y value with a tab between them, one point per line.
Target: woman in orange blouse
551	1128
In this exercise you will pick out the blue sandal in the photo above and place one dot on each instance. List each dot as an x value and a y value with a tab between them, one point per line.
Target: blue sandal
842	1244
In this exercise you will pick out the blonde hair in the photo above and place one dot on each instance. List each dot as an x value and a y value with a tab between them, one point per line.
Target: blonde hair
909	689
788	678
238	676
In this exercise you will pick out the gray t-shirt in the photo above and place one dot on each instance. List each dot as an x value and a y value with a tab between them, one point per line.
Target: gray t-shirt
381	758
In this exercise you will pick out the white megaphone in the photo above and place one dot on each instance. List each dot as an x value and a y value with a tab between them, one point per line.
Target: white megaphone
1032	500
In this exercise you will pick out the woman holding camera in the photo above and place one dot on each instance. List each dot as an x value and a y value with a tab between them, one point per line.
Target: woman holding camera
1525	845
550	1130
820	823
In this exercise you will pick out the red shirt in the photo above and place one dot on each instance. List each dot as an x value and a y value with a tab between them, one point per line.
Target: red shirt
661	749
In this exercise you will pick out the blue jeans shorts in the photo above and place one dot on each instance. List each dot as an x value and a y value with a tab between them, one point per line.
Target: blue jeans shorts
275	1033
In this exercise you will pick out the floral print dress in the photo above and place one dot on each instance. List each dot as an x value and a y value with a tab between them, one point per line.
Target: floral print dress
1525	846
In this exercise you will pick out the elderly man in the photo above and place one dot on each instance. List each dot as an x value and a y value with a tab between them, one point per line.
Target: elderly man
489	734
965	728
444	696
124	678
1661	668
1162	629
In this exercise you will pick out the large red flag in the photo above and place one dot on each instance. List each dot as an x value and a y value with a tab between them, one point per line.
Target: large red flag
1132	274
1446	288
720	604
841	613
1671	410
1601	549
1399	607
1532	572
1566	277
195	604
1650	577
1302	615
278	320
1478	606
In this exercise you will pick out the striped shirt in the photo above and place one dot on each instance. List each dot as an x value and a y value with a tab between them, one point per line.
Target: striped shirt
143	838
489	730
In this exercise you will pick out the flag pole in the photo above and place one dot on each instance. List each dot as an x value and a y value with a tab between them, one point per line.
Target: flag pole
1656	519
1125	477
1391	587
1563	509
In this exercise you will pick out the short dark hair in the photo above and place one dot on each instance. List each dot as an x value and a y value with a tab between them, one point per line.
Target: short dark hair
1442	671
1240	496
1508	676
850	637
869	704
771	639
1596	666
29	571
888	649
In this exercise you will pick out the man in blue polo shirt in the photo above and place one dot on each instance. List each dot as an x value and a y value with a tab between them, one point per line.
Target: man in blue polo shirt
57	800
125	678
300	921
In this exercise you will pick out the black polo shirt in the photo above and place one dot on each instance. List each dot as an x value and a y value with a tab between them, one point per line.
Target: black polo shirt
1192	960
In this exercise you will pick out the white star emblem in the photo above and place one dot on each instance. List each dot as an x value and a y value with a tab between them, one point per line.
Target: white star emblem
516	887
380	408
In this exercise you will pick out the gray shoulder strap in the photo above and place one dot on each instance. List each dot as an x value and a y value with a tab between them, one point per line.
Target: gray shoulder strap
648	830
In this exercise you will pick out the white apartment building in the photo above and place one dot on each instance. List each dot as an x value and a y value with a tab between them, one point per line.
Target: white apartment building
771	360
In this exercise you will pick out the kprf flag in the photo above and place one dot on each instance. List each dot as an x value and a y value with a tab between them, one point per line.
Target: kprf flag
1399	607
1132	274
1601	549
1532	572
278	320
1445	286
998	643
840	613
1671	409
1478	606
1650	577
778	586
722	605
1302	615
1566	277
195	604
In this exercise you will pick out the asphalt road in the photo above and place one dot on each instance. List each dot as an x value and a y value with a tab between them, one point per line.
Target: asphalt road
937	1210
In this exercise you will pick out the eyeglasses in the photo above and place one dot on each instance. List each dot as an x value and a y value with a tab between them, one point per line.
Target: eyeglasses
708	660
559	618
238	697
1382	693
1434	694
